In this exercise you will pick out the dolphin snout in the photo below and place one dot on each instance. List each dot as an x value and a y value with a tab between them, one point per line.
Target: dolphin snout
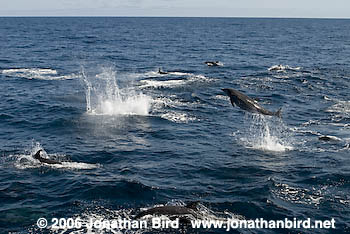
225	91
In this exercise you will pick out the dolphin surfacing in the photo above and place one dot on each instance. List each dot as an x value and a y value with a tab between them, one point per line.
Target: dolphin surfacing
162	72
248	104
189	209
328	138
38	156
212	63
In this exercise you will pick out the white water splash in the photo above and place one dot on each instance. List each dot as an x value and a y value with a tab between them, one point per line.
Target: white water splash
88	91
266	133
104	97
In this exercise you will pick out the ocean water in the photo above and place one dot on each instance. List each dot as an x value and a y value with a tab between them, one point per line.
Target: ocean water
87	92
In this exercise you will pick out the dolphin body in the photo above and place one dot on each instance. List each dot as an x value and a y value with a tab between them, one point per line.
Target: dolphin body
212	63
248	104
37	156
329	138
162	72
189	209
277	68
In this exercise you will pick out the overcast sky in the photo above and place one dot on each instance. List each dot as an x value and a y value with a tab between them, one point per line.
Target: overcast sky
219	8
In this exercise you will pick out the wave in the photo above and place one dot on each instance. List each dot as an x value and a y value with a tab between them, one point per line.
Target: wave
178	117
342	107
151	83
297	195
161	84
283	68
340	112
178	73
92	212
37	73
168	108
75	166
148	74
155	73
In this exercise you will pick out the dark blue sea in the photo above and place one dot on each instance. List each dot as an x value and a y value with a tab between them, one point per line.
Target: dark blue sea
87	91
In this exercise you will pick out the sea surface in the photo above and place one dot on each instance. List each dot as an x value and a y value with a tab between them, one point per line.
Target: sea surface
87	91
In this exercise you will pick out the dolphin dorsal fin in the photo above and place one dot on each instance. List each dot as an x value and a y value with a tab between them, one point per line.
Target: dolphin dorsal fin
37	154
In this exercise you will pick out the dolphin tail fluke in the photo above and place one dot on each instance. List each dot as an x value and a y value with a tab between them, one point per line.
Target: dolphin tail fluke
279	113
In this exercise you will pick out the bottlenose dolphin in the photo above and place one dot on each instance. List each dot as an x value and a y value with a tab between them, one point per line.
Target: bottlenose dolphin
277	68
329	138
212	63
189	209
37	156
246	103
162	72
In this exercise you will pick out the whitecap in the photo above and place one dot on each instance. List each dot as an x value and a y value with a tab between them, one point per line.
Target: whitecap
178	117
38	73
147	83
161	84
283	68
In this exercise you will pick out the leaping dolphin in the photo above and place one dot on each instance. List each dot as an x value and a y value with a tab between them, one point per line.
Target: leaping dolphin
246	103
189	209
37	156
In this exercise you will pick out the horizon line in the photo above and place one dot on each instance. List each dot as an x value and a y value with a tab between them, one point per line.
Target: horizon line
126	16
